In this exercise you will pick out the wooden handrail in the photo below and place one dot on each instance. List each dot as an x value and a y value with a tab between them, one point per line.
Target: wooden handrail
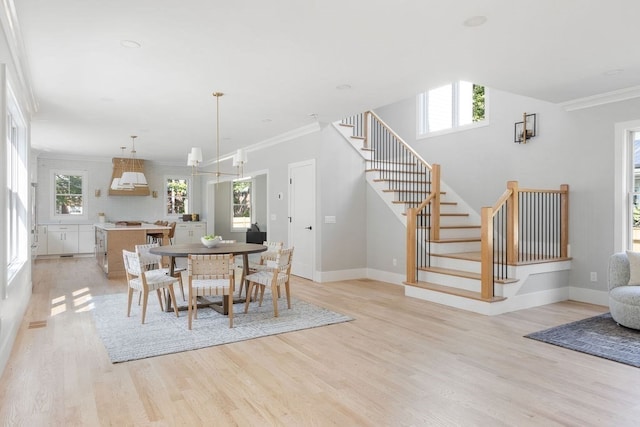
395	135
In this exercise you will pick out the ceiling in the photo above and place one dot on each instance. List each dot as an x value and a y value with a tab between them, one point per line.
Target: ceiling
287	64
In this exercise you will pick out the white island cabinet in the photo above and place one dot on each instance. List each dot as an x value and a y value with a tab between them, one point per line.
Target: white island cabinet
189	232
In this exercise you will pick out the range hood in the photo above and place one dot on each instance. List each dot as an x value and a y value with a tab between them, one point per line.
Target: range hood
121	165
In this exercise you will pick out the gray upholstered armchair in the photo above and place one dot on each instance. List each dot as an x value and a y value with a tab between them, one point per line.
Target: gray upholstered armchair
624	298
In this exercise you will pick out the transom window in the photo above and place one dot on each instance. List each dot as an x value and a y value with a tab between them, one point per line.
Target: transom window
178	190
69	189
456	105
241	205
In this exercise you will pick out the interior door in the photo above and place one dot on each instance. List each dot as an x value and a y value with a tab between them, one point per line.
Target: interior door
302	217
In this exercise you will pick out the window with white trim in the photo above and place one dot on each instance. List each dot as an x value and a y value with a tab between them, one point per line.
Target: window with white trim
17	184
177	192
456	105
69	193
241	204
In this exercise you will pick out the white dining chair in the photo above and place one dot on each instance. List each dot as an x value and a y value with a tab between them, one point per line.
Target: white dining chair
210	275
275	274
145	281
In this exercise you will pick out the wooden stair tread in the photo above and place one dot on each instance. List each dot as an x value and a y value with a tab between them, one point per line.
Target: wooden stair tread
441	214
450	227
454	291
408	202
399	190
346	125
357	137
457	240
397	172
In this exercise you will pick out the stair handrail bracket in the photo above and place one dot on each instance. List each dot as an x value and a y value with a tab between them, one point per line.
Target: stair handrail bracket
524	226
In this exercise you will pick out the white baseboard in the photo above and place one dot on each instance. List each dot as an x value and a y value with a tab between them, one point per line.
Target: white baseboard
386	276
589	296
333	276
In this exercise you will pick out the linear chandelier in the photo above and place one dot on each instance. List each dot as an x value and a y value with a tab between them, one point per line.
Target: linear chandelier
194	158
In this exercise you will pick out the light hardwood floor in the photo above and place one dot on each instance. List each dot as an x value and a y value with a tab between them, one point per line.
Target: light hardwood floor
401	362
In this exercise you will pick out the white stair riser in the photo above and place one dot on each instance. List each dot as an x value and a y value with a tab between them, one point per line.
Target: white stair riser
450	281
455	264
454	248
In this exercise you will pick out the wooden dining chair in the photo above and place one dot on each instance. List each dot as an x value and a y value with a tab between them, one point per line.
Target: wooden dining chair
152	261
269	254
210	275
275	274
145	281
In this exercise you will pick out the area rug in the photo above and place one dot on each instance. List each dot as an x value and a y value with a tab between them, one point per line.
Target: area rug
125	338
599	336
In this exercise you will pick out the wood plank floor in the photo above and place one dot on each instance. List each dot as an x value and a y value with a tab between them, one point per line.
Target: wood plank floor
402	362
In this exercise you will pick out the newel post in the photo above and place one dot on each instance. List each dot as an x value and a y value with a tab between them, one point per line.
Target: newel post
412	214
435	204
367	119
513	212
486	250
564	221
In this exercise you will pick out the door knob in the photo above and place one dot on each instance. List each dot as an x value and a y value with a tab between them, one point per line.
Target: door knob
308	228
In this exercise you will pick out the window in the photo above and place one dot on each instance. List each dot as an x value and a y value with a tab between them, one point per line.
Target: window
635	193
69	193
177	193
17	185
241	205
456	105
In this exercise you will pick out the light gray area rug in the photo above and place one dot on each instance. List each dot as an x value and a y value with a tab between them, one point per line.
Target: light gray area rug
125	338
599	336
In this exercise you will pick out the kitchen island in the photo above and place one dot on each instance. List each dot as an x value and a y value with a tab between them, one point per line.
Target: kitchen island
112	238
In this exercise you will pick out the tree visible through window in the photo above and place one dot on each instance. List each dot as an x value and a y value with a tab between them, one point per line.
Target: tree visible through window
241	204
451	106
177	196
69	194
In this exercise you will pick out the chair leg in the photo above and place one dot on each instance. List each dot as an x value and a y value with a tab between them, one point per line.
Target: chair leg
261	294
145	298
190	309
230	298
288	293
248	299
181	285
159	298
130	298
274	294
173	298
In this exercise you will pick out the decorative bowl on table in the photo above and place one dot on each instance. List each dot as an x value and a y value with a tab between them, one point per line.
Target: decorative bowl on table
210	241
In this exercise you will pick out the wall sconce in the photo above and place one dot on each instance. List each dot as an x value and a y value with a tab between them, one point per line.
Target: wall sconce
154	194
97	192
526	129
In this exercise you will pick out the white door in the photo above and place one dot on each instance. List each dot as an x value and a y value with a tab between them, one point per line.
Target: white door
302	217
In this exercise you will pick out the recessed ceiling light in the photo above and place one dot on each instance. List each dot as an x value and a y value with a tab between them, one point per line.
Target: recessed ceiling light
613	72
475	21
131	44
343	87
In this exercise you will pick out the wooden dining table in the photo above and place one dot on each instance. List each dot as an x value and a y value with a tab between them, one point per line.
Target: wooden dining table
184	250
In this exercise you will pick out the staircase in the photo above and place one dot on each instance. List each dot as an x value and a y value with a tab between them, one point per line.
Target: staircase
448	237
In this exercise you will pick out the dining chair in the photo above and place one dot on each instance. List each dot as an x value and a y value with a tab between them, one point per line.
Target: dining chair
268	255
145	281
152	261
210	275
276	273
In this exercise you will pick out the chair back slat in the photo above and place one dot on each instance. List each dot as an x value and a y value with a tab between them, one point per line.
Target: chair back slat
207	267
147	259
131	262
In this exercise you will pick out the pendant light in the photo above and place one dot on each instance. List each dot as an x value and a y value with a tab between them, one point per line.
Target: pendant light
134	177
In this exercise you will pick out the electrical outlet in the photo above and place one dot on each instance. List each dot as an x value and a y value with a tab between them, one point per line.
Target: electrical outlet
395	262
594	276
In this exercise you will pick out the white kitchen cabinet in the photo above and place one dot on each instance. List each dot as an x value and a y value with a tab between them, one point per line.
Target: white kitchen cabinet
40	240
86	239
62	239
189	232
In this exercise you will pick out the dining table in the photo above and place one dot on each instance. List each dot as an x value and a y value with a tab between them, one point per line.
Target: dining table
222	248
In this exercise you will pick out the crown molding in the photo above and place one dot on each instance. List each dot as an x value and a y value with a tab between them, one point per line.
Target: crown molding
11	28
602	99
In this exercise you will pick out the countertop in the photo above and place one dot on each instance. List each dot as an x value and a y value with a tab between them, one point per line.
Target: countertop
143	226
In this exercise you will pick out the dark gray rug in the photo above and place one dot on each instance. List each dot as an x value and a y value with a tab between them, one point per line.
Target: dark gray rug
125	338
599	336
